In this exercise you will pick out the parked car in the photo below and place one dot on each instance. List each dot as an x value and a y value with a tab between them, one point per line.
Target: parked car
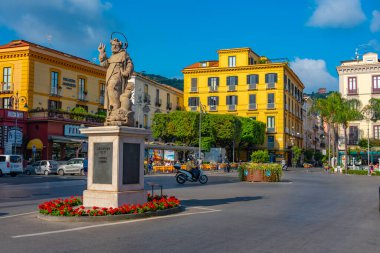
73	166
11	165
44	167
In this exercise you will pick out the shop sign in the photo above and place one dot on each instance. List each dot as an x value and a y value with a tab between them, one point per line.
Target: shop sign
73	130
13	114
69	82
15	136
1	136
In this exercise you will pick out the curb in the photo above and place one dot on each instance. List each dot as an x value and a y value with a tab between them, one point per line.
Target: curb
110	217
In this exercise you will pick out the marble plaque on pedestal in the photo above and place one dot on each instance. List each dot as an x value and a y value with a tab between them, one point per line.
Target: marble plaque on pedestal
102	162
131	163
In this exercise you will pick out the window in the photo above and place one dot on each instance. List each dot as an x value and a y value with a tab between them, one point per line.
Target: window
271	78
352	86
232	80
193	101
376	83
252	81
376	132
102	93
271	124
54	83
231	61
270	141
231	102
6	103
252	102
353	135
7	78
271	103
82	89
213	83
158	100
251	61
168	103
213	103
54	105
194	85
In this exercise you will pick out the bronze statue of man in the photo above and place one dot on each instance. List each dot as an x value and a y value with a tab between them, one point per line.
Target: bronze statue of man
120	69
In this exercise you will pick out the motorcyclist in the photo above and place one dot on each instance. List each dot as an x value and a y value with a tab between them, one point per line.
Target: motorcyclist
192	167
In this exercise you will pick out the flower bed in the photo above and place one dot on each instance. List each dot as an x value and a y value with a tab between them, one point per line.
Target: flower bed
73	207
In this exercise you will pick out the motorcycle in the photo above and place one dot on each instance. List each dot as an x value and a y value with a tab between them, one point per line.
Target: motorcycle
183	175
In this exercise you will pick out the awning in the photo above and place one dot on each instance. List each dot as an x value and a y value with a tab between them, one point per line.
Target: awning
37	143
170	147
64	139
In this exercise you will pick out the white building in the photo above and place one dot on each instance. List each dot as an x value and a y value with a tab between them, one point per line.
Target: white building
151	97
360	79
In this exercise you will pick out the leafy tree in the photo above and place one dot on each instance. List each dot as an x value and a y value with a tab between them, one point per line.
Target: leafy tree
184	126
160	127
252	133
260	156
308	155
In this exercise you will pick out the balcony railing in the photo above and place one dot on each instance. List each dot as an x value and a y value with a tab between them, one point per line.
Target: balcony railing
158	102
101	100
352	91
252	86
47	114
271	85
231	87
252	107
213	88
231	107
270	129
213	108
194	89
82	96
270	105
6	88
147	98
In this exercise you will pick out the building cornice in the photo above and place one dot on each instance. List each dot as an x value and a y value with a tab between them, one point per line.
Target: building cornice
360	68
232	69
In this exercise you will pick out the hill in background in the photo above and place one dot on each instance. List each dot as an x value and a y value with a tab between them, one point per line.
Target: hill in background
174	82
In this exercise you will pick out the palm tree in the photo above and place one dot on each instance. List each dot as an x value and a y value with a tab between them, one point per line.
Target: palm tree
347	110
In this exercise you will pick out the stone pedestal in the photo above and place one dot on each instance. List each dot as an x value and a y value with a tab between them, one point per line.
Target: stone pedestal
115	166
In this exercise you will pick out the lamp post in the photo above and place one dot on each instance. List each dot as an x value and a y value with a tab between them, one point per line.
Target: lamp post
201	111
14	102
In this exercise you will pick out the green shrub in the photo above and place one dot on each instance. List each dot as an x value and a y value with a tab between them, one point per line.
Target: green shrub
260	156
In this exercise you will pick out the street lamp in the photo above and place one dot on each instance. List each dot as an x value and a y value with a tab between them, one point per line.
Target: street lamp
14	102
202	110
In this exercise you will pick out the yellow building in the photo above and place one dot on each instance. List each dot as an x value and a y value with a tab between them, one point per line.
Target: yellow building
244	84
49	79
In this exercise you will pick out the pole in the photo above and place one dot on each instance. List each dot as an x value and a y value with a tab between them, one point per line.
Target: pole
200	129
14	132
368	145
329	145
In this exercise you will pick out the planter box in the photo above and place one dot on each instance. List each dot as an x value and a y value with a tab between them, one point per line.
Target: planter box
255	176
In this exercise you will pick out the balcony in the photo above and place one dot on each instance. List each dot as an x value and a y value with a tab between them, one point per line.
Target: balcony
82	96
158	102
252	86
271	85
169	106
252	107
55	91
270	130
352	91
213	88
213	108
194	89
54	114
231	107
231	87
270	105
6	88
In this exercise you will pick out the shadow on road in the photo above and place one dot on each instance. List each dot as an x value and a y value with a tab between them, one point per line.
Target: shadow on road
2	214
215	202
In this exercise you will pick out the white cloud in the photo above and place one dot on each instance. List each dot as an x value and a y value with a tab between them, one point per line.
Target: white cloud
337	14
375	23
74	26
314	74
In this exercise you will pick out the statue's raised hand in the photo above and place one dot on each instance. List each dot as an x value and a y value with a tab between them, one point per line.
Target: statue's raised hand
101	48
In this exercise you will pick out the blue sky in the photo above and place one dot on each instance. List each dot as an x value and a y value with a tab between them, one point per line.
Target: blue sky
166	36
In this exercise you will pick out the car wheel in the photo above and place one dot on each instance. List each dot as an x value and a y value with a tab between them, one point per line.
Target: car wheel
46	172
82	172
61	172
1	173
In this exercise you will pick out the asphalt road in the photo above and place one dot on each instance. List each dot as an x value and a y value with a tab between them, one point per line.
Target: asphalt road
308	212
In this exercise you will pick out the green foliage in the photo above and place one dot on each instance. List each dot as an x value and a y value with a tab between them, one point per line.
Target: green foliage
361	172
174	82
159	127
260	156
363	143
318	156
252	133
308	155
296	151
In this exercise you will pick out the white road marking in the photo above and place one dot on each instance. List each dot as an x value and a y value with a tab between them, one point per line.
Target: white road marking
15	215
108	224
203	208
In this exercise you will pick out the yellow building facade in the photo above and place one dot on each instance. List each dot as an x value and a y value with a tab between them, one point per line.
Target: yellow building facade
245	84
49	79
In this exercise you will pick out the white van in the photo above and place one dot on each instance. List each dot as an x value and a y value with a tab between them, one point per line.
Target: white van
11	165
